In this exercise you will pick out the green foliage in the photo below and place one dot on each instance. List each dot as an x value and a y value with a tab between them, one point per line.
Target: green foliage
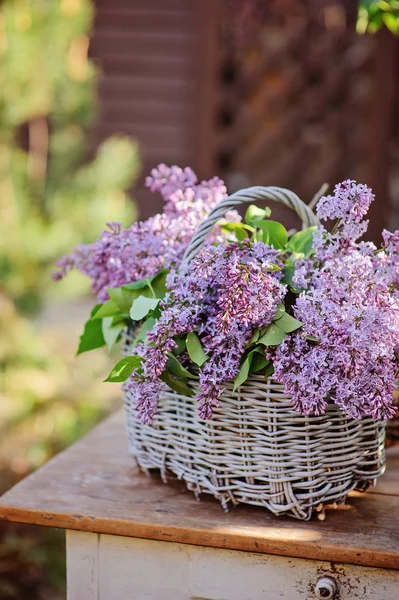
92	336
136	301
177	385
154	287
288	323
271	232
54	195
373	14
273	336
175	368
142	306
254	214
195	349
274	234
254	359
112	328
123	369
141	334
302	241
243	372
50	199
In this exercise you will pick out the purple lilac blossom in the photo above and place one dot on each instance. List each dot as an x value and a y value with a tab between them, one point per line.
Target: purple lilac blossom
348	305
200	299
349	204
122	256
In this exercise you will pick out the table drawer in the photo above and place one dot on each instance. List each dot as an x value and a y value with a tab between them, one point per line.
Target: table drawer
105	567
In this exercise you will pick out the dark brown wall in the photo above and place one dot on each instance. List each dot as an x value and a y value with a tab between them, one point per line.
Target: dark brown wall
148	52
301	101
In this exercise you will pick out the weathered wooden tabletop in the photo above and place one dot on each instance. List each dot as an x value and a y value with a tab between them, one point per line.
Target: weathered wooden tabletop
94	486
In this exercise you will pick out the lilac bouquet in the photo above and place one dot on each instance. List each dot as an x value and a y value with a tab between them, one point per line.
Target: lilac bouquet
316	310
122	256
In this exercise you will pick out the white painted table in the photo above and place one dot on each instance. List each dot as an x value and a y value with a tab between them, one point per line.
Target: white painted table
130	537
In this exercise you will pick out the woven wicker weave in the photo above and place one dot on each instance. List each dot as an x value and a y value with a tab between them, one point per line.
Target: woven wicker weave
256	449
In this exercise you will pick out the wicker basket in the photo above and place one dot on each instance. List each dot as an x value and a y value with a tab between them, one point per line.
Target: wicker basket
256	449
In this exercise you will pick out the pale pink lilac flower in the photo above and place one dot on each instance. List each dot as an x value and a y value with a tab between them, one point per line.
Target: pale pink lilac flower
122	256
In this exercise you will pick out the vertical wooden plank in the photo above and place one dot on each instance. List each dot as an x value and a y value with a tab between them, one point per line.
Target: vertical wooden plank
208	31
381	125
82	565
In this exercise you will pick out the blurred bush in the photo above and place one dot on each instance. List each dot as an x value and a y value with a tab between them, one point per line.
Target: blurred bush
374	14
49	202
54	194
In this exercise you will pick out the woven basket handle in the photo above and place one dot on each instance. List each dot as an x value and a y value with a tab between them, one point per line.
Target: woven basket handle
251	194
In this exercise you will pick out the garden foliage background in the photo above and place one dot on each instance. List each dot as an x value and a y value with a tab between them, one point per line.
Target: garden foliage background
56	191
54	194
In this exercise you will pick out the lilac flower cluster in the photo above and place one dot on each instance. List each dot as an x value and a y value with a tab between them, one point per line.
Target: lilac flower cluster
346	350
122	256
349	204
227	292
345	293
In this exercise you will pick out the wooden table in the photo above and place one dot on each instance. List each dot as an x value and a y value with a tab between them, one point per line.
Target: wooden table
132	537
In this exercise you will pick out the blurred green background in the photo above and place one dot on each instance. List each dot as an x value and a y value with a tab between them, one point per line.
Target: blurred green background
55	193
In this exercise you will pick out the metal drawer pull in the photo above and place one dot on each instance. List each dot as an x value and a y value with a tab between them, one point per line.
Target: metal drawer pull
326	587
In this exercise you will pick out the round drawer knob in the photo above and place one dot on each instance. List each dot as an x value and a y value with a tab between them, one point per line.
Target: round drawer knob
326	587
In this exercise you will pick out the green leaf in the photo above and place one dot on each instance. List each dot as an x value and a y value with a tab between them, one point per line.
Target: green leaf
302	241
177	385
243	373
195	349
279	312
254	338
274	233
124	368
288	323
312	338
95	310
391	21
124	298
147	287
269	370
176	368
181	345
92	336
240	230
137	285
142	306
108	309
255	214
254	362
111	330
143	330
117	296
241	235
272	268
273	336
259	361
129	296
288	273
158	283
